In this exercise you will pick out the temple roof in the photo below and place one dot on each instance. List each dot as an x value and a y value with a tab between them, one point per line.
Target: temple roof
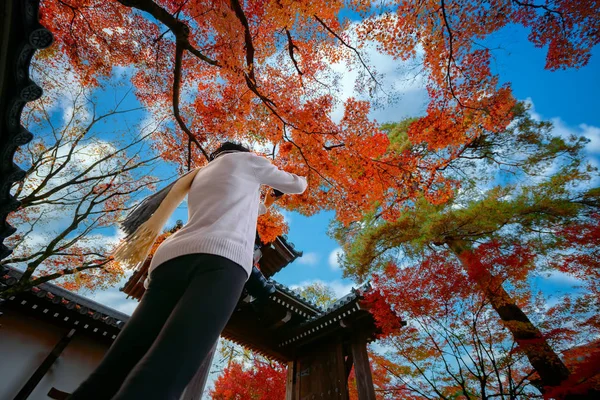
64	307
275	256
20	37
289	321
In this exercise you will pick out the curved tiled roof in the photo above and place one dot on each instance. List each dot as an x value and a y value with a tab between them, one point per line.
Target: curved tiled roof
290	246
282	288
347	307
61	301
21	35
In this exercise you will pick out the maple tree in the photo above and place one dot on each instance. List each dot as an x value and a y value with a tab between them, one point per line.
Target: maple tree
271	225
499	226
453	345
261	380
261	71
451	34
76	186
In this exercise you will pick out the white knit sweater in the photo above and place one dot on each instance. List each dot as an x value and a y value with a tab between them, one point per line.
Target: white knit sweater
223	205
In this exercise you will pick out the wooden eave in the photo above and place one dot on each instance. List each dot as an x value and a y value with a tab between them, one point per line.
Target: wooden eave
62	307
346	316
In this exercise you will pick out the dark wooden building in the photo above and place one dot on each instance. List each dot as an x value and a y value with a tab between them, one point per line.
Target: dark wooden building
21	35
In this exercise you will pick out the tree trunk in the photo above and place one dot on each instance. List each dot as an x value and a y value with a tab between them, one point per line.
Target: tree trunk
546	362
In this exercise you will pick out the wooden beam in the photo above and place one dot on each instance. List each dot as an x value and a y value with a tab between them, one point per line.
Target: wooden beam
341	369
44	367
290	382
56	394
348	365
362	368
196	386
282	321
297	381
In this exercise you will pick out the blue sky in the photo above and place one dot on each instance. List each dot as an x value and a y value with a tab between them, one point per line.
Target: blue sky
570	94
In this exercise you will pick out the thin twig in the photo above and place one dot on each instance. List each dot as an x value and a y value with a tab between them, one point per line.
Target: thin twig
451	58
354	49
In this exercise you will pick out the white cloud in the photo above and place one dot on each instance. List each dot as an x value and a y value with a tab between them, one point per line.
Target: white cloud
381	349
534	114
107	241
308	259
593	134
561	278
334	257
561	129
402	92
63	90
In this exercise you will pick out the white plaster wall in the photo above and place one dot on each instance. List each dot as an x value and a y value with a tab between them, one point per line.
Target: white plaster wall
74	365
24	344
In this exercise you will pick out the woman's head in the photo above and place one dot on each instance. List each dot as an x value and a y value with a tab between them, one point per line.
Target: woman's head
228	147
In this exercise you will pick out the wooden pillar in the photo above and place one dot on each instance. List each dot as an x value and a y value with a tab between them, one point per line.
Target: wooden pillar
44	367
290	381
196	386
348	368
362	368
297	375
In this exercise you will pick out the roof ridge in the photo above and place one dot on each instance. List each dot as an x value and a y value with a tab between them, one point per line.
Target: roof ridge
296	296
78	298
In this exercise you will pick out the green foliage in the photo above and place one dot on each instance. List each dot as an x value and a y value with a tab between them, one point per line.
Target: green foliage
398	134
318	293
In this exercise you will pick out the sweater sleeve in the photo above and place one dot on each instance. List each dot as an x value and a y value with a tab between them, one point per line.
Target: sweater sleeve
268	174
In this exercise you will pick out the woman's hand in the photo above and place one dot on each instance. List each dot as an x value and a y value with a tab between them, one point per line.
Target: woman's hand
269	198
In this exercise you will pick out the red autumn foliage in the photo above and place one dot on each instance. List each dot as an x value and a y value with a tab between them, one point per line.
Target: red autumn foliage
579	251
257	70
424	288
260	381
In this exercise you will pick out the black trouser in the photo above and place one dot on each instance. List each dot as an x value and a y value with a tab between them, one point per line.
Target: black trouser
186	306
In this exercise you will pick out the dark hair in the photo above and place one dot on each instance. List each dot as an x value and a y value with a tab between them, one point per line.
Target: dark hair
228	146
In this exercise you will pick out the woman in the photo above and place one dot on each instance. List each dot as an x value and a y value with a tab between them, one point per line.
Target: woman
195	281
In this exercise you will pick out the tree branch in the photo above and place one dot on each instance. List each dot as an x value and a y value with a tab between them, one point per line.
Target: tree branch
239	13
179	28
291	47
176	91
